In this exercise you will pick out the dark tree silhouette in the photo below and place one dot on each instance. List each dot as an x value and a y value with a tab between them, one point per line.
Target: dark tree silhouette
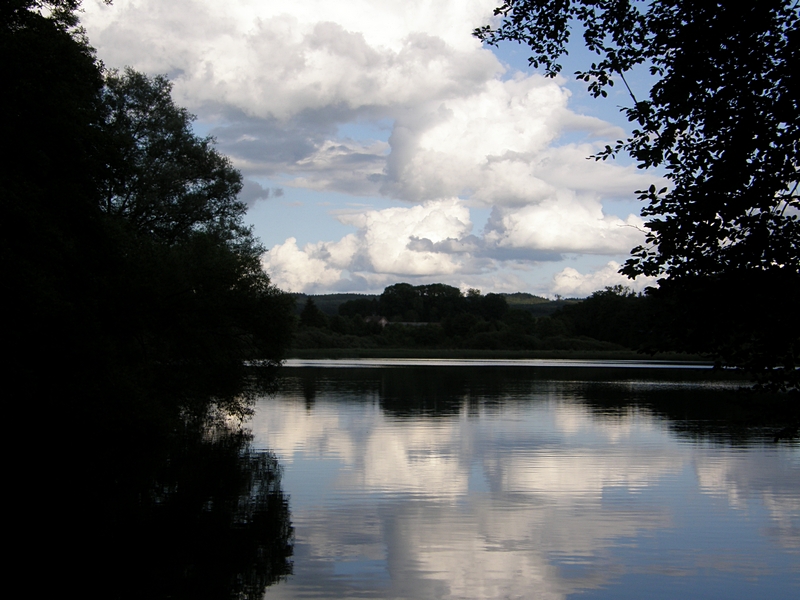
133	292
723	119
197	283
125	243
615	314
163	180
423	303
312	316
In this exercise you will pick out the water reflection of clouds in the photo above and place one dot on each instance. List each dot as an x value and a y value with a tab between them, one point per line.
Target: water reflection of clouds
421	459
400	509
485	549
754	480
586	472
434	457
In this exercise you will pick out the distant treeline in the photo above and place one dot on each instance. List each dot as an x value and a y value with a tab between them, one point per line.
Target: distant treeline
439	316
429	297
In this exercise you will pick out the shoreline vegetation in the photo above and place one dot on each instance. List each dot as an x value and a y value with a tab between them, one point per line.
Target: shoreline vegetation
466	353
438	321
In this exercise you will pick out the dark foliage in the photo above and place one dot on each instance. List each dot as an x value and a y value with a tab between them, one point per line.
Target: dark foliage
53	243
422	303
746	318
723	118
435	302
615	314
470	321
366	307
133	295
329	303
312	316
124	242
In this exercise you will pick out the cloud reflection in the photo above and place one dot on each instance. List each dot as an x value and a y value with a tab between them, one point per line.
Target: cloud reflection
526	498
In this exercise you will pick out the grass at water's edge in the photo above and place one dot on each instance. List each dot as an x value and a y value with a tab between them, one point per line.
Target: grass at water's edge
333	353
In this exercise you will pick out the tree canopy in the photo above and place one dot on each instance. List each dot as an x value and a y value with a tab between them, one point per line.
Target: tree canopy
125	243
133	293
163	179
722	118
434	302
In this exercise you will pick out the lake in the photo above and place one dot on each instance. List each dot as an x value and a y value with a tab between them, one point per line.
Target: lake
537	479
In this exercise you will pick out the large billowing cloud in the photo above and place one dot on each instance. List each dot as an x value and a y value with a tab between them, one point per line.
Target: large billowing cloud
564	223
396	242
276	59
435	239
389	99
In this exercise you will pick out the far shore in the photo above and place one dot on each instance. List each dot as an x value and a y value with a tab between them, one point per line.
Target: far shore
333	353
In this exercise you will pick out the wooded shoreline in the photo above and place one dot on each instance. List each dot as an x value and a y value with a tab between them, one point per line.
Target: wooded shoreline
466	353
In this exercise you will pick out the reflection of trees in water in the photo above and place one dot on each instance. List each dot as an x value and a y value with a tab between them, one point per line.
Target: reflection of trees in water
725	414
214	522
410	391
195	513
695	403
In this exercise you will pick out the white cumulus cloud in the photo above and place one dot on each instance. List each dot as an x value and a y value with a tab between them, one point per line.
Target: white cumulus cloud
384	98
570	282
395	242
292	269
565	222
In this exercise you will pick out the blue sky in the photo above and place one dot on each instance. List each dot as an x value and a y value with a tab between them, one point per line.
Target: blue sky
380	142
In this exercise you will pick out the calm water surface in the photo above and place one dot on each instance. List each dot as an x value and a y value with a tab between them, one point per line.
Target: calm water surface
471	479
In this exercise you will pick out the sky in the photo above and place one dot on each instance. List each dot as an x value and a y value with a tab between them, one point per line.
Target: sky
381	142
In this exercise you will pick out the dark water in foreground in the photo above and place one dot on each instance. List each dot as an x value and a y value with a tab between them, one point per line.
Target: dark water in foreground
490	481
